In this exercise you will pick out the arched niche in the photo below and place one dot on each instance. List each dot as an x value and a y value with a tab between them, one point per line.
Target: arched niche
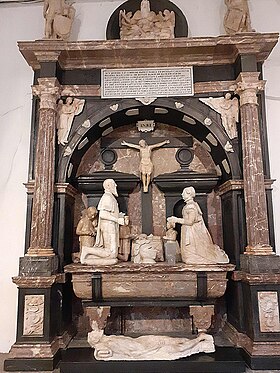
106	116
181	26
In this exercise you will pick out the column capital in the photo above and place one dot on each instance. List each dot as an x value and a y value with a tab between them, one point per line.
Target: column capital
247	87
48	90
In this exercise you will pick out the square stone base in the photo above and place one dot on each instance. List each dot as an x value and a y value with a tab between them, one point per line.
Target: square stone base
256	264
36	364
33	266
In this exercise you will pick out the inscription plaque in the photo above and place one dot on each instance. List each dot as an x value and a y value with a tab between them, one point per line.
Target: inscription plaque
147	82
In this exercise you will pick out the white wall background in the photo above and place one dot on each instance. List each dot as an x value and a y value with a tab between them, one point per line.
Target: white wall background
25	22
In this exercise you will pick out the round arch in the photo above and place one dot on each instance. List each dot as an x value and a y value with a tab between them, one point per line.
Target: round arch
188	114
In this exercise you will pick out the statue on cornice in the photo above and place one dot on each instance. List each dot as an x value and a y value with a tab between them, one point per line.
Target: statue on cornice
237	18
146	24
59	16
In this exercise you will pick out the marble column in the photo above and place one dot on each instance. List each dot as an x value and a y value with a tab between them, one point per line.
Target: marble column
248	85
48	91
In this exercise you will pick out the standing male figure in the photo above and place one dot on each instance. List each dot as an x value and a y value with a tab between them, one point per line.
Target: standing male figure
146	165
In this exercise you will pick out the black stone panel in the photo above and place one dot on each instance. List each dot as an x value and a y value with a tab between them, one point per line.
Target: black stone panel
80	77
264	363
234	228
225	359
251	315
214	73
63	228
246	63
235	305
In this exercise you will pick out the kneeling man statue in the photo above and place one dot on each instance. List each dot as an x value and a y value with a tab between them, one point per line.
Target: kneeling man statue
105	250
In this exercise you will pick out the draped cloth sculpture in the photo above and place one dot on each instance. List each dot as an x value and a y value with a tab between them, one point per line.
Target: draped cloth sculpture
148	347
197	246
237	18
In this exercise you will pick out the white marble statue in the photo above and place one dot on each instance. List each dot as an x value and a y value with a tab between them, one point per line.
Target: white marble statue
143	249
146	164
237	17
146	24
65	117
105	250
229	110
125	240
196	245
147	347
59	16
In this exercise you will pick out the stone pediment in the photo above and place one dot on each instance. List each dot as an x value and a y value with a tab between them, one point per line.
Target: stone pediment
199	51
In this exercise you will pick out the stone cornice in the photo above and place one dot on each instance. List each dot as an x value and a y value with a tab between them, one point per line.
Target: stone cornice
38	282
63	188
239	185
256	279
200	51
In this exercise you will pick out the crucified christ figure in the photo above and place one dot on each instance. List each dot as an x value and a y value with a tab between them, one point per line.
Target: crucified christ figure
146	164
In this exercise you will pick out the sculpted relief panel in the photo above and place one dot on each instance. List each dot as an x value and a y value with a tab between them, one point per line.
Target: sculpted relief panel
268	311
146	24
33	323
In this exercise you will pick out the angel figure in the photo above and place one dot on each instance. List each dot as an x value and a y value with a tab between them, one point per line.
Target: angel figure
65	117
229	110
146	164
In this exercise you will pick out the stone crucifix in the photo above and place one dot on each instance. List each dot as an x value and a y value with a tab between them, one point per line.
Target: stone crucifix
146	164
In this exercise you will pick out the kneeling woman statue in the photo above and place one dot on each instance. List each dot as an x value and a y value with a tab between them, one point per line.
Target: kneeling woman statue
196	245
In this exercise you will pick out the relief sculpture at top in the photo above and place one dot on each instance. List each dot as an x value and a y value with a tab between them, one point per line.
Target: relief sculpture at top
146	24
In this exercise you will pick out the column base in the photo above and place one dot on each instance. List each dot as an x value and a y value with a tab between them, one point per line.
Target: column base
37	356
255	264
258	355
40	252
34	364
265	363
33	266
259	250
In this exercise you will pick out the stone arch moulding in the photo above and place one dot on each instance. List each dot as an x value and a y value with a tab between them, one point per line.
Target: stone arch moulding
190	117
181	27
